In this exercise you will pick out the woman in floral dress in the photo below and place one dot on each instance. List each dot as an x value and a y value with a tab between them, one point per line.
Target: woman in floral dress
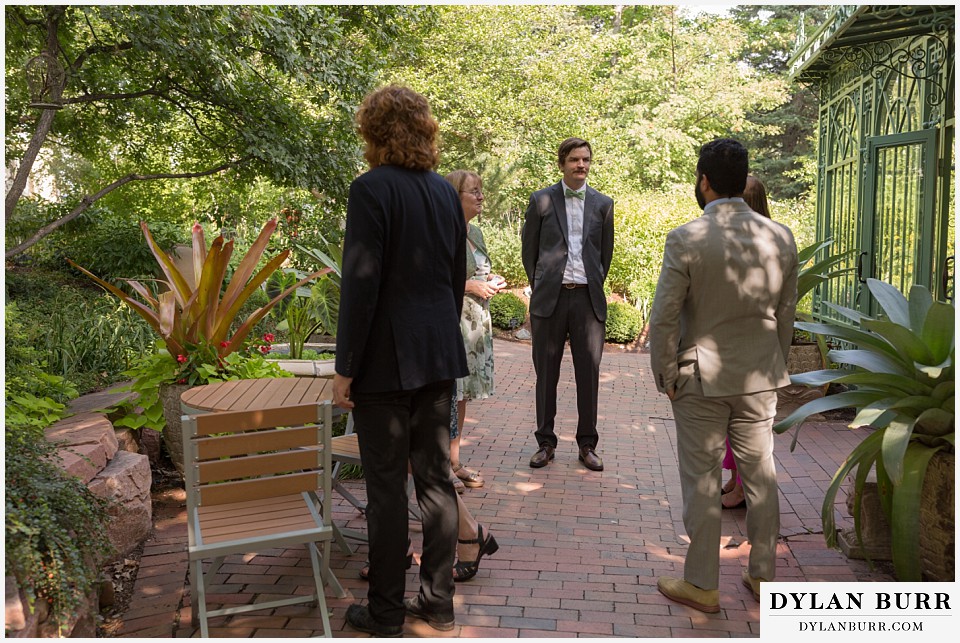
475	323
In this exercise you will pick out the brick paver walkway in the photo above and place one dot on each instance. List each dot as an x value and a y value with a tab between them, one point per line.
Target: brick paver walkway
580	551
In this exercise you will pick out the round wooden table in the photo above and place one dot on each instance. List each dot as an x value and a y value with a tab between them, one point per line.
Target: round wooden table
250	395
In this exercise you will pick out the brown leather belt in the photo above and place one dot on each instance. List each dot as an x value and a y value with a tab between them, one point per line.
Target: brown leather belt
572	286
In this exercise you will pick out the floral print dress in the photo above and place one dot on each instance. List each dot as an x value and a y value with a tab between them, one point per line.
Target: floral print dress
477	332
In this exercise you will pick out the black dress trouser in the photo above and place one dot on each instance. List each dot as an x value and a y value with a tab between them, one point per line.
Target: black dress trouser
392	429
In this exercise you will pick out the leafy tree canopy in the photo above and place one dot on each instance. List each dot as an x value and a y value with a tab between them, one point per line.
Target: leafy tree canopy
645	85
781	139
156	92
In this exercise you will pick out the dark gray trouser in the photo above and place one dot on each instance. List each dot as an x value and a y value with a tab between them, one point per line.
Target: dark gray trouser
574	318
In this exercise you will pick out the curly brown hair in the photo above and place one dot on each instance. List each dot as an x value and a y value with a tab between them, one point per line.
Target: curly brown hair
396	124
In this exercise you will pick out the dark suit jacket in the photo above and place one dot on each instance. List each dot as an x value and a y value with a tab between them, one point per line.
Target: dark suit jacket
404	263
544	247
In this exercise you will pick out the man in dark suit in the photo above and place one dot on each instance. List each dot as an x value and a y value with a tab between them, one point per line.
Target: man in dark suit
567	249
399	350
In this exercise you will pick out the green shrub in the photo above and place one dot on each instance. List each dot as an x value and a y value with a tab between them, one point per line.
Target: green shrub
46	513
32	396
503	244
507	311
112	246
624	323
77	332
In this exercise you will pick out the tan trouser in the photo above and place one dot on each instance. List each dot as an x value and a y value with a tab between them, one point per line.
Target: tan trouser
703	423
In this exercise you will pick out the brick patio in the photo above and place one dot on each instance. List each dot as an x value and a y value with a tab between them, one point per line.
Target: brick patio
580	551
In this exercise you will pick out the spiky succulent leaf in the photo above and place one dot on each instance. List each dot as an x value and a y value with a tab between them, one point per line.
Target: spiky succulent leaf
919	305
906	508
828	403
856	336
939	332
870	361
866	451
935	422
907	345
896	438
892	301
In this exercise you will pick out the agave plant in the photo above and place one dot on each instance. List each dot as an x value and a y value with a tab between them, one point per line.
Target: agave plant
902	376
200	312
811	275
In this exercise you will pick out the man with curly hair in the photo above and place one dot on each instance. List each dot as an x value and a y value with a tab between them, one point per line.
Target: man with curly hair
399	350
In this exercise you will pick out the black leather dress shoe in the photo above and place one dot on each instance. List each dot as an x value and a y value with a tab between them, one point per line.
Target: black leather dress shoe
359	617
542	457
590	459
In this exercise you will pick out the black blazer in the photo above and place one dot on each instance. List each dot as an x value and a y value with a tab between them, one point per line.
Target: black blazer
544	247
401	294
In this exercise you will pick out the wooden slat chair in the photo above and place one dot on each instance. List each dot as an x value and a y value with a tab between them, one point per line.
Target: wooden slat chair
252	481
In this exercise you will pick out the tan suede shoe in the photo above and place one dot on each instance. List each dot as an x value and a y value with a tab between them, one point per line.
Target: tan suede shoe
751	583
705	600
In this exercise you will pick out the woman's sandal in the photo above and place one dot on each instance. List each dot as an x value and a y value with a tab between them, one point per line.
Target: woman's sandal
470	478
488	546
729	485
457	483
365	570
725	503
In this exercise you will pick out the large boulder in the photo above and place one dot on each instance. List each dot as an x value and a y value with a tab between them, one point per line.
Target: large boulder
125	482
88	442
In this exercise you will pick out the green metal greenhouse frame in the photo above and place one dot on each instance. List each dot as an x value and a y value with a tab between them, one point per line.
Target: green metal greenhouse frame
885	76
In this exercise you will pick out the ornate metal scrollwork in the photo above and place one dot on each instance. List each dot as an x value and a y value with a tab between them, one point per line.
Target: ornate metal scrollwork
920	57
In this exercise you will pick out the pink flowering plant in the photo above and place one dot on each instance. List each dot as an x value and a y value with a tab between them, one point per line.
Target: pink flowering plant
195	315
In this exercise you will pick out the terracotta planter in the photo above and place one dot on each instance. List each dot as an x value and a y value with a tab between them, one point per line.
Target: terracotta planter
937	513
173	434
937	536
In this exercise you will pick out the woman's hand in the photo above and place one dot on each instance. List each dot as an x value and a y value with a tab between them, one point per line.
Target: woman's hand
481	289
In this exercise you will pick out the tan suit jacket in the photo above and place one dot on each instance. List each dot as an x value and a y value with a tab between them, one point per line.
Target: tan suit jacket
725	302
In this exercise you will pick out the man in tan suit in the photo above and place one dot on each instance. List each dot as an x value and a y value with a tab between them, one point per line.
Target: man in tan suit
720	329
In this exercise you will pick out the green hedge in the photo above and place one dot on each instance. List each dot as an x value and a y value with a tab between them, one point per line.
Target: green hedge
507	311
624	323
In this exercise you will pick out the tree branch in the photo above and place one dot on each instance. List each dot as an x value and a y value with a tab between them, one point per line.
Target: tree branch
89	199
89	98
98	49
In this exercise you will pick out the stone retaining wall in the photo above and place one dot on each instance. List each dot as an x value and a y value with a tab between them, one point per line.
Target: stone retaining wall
107	460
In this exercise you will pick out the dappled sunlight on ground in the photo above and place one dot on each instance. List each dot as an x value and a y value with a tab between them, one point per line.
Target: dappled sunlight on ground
579	551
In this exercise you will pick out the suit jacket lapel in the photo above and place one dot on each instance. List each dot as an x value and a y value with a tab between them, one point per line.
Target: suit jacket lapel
588	212
560	207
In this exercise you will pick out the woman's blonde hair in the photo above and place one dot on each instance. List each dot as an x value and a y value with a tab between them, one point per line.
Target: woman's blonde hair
458	178
396	124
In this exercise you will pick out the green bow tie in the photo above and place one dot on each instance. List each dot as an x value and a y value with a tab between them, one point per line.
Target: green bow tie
578	195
